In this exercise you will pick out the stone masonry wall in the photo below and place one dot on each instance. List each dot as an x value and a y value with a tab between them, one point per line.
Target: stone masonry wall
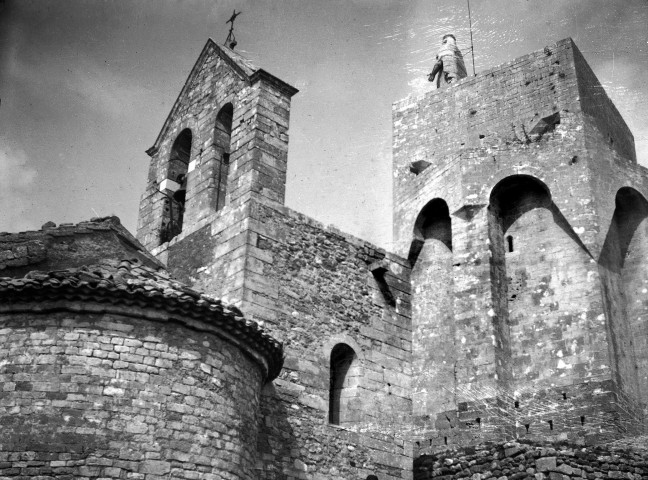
534	461
88	396
602	113
213	256
433	330
312	288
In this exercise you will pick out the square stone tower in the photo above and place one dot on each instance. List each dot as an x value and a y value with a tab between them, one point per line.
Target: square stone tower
522	210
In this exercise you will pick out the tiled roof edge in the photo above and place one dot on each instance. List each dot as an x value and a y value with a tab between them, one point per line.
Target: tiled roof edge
225	322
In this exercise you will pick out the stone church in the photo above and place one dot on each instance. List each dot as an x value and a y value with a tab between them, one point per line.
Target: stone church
505	337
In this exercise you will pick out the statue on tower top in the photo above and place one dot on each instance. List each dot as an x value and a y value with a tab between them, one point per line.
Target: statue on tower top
449	66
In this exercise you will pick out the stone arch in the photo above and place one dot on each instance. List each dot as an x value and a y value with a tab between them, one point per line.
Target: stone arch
631	209
333	340
222	150
519	170
623	267
345	373
539	270
175	185
432	223
432	281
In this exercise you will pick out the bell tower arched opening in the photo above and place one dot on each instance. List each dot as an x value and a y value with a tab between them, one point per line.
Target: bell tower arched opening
176	191
222	139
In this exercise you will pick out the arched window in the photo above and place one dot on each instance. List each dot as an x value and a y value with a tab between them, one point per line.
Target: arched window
176	187
343	386
222	138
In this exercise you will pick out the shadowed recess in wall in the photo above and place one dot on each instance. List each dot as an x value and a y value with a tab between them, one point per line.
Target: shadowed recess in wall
222	139
631	208
175	203
506	198
433	223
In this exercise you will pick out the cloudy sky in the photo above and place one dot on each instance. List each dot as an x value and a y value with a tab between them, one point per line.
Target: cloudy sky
86	85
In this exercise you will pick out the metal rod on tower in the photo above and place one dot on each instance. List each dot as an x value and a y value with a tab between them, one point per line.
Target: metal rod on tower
472	47
231	39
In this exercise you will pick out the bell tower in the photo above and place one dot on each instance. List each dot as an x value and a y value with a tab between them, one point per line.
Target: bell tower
224	140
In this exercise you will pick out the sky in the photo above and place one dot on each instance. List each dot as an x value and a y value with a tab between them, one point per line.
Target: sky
85	87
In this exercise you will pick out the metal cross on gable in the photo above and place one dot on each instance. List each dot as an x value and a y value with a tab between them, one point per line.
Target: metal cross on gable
231	40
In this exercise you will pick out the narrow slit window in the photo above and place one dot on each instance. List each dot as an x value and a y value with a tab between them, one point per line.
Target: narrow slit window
509	241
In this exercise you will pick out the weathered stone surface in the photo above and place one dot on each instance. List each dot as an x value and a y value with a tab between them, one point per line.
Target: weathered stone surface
116	396
544	464
515	233
565	462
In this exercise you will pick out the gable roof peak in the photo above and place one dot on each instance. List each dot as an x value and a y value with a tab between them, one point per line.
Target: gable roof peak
244	68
